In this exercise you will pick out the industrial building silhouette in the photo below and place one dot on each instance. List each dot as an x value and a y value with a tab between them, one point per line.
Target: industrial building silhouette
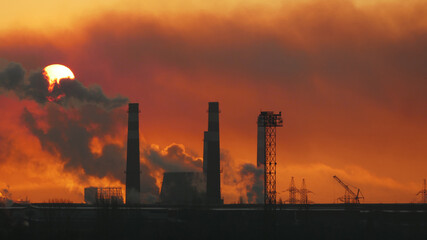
133	172
191	206
198	187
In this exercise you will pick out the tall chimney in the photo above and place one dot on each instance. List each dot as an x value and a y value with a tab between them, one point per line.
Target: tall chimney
132	161
211	156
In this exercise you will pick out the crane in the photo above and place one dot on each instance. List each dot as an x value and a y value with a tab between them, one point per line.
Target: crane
423	193
349	195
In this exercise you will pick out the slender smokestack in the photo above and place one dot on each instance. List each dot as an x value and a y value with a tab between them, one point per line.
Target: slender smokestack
132	163
211	159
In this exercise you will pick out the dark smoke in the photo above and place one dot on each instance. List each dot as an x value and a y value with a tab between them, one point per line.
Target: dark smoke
69	134
66	93
71	138
12	78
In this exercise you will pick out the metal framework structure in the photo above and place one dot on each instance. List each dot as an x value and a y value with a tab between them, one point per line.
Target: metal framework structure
109	195
423	193
293	190
304	193
349	195
269	120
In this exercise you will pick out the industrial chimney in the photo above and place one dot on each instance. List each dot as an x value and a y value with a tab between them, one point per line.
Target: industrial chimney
211	156
132	161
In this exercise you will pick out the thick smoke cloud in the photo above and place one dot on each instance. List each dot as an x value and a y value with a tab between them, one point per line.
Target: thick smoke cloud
69	134
66	93
173	158
71	139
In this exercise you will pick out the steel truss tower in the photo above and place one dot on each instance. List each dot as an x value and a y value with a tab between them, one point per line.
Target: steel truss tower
304	193
293	190
267	123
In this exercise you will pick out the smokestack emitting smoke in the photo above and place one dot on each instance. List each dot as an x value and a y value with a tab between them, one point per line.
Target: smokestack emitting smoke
132	161
69	125
211	156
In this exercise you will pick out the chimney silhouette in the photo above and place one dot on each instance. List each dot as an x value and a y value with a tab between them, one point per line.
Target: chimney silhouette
211	156
132	161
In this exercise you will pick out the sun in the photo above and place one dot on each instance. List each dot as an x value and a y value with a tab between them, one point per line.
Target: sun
55	73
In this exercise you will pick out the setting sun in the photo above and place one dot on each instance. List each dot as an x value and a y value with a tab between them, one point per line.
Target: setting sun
55	73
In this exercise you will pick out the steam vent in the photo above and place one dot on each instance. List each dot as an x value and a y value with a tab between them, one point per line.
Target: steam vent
211	156
132	161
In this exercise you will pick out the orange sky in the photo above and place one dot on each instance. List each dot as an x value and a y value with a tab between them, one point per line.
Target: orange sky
349	77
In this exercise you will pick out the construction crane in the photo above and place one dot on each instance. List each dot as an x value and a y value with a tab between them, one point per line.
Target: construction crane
423	193
349	195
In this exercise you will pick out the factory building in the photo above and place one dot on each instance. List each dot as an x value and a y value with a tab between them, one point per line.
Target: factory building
183	188
198	187
103	196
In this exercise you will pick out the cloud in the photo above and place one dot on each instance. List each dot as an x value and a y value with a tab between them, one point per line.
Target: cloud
70	138
66	93
69	134
173	158
319	179
255	187
241	179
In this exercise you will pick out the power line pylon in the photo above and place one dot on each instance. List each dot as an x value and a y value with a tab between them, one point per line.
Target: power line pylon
304	193
349	195
423	193
267	123
293	190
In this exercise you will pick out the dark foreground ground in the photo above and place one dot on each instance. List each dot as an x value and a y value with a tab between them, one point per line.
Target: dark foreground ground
317	221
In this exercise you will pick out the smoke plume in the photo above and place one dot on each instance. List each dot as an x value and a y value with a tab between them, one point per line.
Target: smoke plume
255	179
82	139
71	137
173	158
244	179
66	93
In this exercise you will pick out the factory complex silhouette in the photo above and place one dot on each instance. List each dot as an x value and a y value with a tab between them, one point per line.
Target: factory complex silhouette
190	205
